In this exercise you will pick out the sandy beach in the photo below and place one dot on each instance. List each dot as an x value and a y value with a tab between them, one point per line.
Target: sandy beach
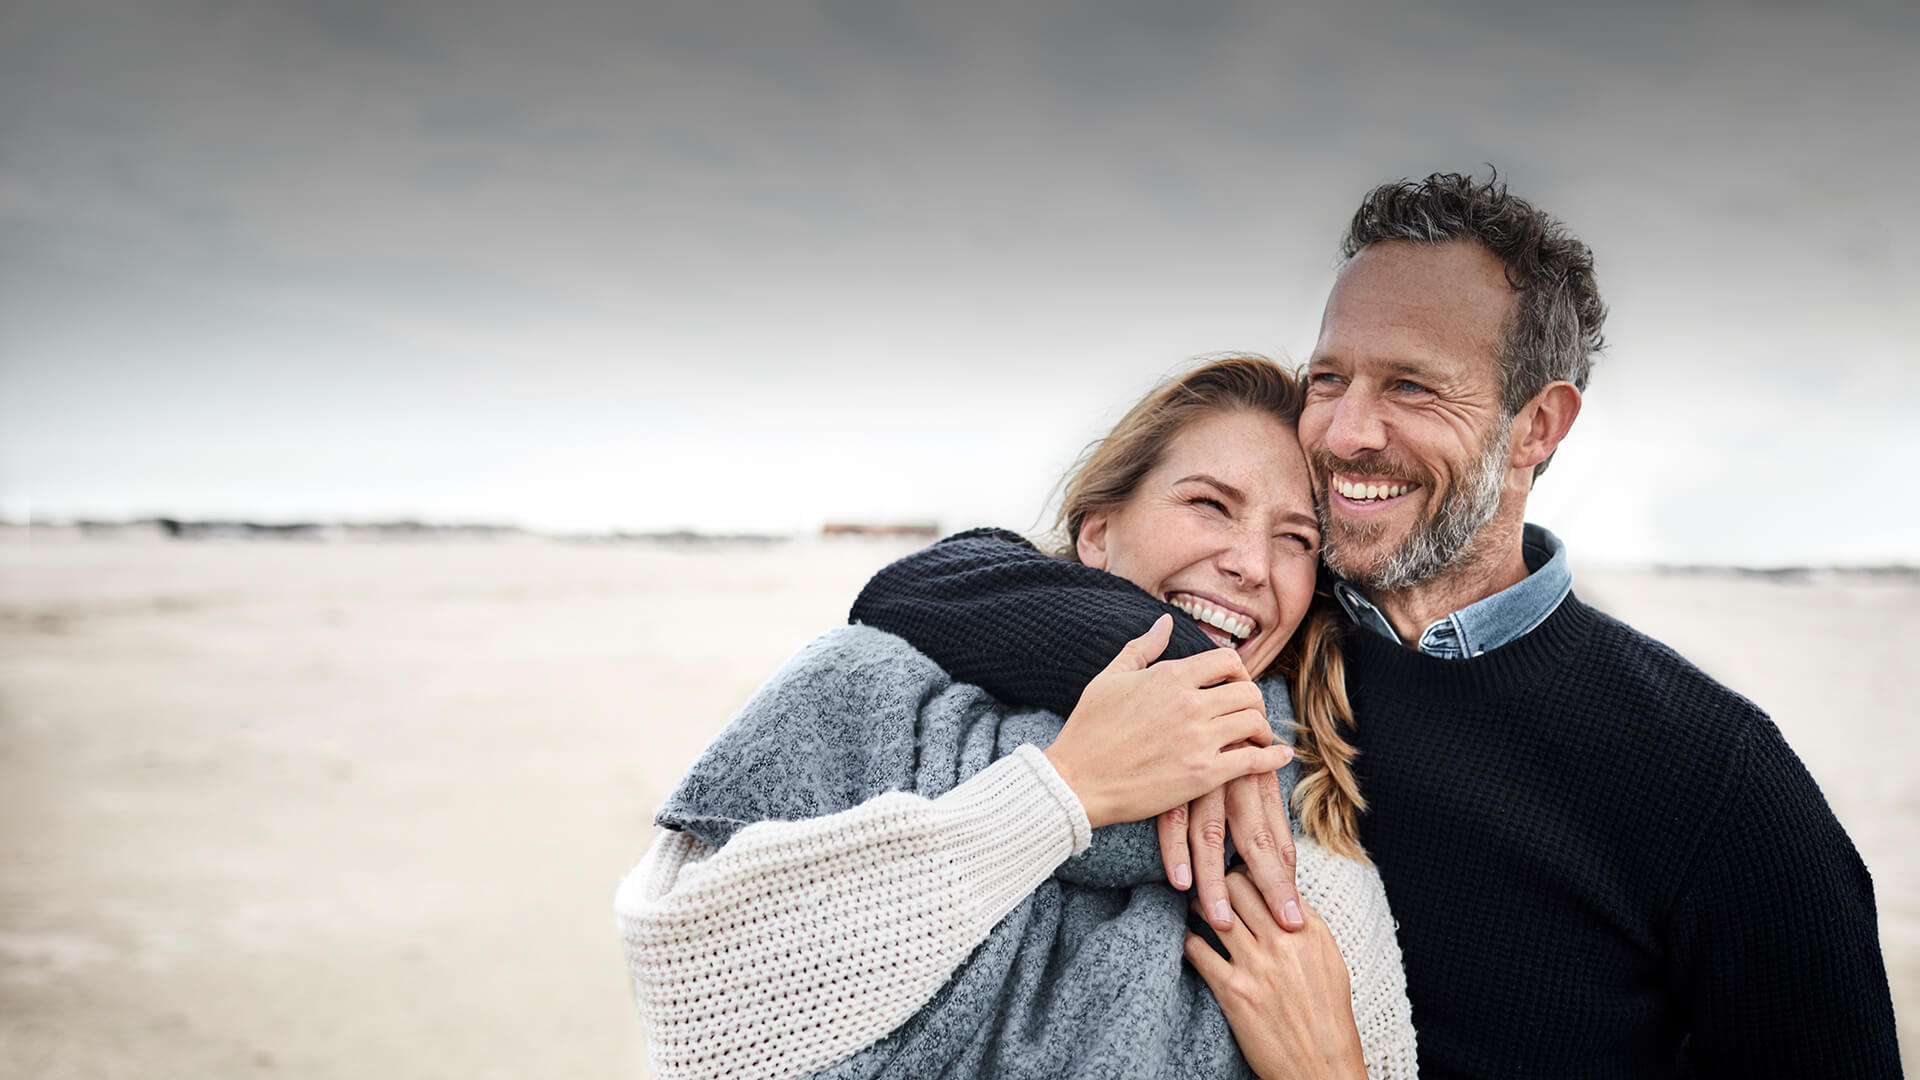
353	809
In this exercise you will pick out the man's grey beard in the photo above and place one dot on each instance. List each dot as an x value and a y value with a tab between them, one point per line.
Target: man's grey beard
1441	542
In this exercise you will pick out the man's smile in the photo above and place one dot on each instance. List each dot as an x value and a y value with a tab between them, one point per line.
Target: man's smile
1368	490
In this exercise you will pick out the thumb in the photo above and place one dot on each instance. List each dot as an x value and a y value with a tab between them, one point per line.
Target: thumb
1135	655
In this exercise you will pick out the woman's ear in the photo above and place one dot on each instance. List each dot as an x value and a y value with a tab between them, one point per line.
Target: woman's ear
1091	543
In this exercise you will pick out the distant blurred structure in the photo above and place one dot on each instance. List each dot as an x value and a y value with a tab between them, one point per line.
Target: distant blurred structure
402	530
924	530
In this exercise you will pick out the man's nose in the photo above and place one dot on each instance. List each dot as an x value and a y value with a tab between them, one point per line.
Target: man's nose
1357	426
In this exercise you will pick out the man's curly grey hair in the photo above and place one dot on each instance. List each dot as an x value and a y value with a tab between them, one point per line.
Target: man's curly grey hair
1554	331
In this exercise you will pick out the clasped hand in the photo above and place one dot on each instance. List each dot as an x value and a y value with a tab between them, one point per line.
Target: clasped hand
1186	740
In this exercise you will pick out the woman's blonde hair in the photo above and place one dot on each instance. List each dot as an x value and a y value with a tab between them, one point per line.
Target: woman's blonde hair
1327	800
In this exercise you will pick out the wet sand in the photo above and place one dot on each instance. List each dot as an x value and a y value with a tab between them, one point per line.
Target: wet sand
343	809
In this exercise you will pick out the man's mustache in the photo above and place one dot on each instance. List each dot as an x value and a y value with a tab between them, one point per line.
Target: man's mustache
1379	465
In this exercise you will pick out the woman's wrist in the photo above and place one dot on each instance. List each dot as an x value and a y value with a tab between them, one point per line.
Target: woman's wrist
1078	782
1355	1068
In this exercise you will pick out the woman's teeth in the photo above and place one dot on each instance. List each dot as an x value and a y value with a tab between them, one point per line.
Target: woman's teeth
1203	612
1370	491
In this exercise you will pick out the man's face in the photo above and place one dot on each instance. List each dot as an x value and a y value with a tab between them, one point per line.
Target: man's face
1403	424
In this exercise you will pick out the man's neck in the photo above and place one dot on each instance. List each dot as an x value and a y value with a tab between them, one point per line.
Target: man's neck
1498	563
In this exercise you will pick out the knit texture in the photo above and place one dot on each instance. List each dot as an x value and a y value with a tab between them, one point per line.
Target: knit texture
1636	876
1642	879
1349	896
847	928
981	603
804	941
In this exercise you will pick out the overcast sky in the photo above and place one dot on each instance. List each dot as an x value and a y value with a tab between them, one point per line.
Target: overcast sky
762	265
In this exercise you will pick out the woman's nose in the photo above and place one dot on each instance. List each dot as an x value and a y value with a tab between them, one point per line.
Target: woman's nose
1246	561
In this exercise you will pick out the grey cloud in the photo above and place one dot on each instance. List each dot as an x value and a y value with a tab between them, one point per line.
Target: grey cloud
821	176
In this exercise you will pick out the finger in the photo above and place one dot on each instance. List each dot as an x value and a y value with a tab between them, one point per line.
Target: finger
1135	655
1257	821
1172	826
1208	668
1249	906
1246	760
1236	926
1236	697
1213	967
1245	726
1207	838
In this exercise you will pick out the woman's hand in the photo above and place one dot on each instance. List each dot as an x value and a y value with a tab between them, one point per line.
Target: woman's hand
1143	739
1193	847
1285	995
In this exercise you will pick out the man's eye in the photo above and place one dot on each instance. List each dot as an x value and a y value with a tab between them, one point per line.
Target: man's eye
1408	386
1326	379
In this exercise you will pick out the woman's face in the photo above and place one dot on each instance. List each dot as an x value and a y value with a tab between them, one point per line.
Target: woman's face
1223	529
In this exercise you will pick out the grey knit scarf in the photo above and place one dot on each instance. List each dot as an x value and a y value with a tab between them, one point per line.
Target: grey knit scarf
1085	978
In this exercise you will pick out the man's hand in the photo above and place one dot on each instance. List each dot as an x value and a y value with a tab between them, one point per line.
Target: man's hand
1192	846
1286	996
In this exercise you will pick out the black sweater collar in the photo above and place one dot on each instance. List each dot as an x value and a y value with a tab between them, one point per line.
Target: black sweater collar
1380	666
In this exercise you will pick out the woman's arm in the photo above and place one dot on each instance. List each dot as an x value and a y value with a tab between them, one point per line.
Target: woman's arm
797	942
800	942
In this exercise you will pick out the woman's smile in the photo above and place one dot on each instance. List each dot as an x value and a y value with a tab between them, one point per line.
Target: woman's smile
1225	624
1223	528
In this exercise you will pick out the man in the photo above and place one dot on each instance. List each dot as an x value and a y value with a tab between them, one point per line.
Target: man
1603	863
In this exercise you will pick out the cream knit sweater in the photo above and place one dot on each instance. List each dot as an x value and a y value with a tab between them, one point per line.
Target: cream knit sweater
800	942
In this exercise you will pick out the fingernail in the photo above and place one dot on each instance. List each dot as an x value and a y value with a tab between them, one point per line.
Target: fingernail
1290	914
1222	914
1182	876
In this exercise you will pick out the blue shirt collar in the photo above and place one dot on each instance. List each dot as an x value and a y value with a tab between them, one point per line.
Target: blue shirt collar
1487	624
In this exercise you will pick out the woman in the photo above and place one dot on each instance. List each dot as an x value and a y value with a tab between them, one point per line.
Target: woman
877	870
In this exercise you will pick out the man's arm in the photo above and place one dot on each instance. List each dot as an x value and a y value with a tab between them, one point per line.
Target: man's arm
1028	628
1034	630
1775	943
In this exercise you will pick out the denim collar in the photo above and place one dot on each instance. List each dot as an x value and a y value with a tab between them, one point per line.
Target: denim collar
1487	624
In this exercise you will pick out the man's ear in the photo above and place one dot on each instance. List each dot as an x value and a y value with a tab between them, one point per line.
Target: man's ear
1091	544
1542	423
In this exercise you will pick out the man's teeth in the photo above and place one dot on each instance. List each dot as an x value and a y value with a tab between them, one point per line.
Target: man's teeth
1374	490
1213	616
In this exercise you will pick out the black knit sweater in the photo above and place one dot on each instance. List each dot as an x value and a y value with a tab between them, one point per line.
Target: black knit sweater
1603	863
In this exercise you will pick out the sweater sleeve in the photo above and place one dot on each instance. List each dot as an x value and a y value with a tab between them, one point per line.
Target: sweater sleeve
1348	894
800	942
1775	942
1027	627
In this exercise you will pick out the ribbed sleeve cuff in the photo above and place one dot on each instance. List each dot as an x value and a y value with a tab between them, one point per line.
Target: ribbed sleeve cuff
1008	827
1056	786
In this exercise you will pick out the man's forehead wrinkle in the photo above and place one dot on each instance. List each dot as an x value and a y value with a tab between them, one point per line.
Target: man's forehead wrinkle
1402	346
1411	357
